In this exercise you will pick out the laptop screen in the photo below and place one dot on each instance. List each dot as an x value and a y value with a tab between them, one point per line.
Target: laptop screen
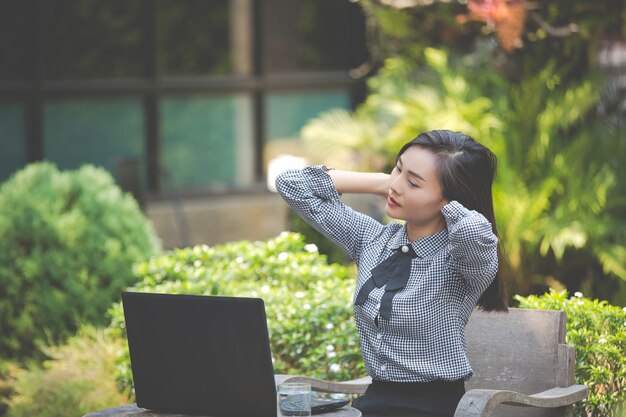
200	354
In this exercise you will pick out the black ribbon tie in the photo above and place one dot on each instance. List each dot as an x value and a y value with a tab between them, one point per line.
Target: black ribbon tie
394	272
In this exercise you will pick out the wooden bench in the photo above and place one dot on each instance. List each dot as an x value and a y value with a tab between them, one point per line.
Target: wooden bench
522	367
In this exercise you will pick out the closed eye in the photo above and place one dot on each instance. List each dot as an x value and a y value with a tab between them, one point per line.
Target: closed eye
411	173
411	183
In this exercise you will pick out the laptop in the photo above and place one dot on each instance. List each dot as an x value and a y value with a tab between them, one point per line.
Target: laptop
203	355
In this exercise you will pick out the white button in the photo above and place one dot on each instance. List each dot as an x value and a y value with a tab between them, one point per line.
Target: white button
405	248
379	336
383	367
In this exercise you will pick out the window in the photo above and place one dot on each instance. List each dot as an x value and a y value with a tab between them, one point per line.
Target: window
192	37
93	39
312	35
189	91
206	141
103	132
12	144
16	41
287	112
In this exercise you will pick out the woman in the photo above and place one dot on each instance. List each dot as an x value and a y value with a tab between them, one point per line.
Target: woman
419	280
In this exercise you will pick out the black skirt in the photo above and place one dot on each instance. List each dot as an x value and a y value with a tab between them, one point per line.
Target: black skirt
410	399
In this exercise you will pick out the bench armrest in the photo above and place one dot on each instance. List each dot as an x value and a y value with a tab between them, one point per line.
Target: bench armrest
481	402
355	386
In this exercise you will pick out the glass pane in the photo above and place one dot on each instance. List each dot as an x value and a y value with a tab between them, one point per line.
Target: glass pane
12	139
332	35
206	141
312	35
93	39
16	38
192	37
106	133
288	112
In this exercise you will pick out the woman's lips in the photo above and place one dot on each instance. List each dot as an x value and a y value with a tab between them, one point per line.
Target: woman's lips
391	202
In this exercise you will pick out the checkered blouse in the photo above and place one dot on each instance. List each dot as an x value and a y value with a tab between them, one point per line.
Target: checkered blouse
423	339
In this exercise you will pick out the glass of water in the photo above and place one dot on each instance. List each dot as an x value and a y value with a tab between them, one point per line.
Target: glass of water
294	399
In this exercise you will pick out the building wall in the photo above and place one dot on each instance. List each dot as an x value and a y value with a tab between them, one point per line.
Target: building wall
220	219
217	219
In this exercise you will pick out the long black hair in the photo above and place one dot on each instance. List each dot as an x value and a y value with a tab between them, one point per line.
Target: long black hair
466	170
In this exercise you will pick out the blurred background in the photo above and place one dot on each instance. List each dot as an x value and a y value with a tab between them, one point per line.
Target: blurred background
192	106
186	103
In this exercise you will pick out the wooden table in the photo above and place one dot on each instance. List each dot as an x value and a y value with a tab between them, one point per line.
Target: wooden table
131	410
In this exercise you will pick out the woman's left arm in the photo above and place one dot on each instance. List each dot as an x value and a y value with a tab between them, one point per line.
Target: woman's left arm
473	245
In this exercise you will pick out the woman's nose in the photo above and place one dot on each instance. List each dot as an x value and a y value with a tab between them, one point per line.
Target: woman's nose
393	186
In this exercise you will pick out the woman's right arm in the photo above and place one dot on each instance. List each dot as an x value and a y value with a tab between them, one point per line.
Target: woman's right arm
313	193
360	182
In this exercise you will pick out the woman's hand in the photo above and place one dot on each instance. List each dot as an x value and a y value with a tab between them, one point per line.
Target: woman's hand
360	182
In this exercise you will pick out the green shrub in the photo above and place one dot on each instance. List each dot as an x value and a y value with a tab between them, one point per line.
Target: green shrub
67	244
539	129
598	332
77	380
6	384
308	301
325	246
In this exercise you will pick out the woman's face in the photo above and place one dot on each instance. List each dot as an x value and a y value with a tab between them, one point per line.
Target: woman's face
415	194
